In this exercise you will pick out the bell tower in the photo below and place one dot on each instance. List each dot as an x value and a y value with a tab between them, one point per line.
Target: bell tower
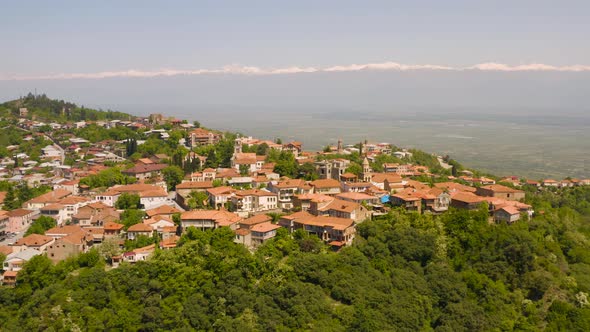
366	175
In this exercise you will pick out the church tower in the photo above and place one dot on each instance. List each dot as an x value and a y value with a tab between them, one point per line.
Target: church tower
237	146
366	175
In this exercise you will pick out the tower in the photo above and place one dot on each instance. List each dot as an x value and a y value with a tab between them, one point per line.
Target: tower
366	175
237	146
339	145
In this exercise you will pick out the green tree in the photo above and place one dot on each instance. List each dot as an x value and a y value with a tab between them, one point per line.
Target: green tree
128	201
40	225
173	175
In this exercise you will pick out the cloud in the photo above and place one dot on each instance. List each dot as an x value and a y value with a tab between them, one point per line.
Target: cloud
251	70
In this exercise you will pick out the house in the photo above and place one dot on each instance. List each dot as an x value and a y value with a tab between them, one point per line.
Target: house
294	147
150	199
254	220
20	219
56	211
9	278
303	201
249	161
33	241
95	214
466	200
219	196
151	196
209	219
262	232
340	209
3	224
15	261
72	204
288	188
387	181
550	183
453	187
208	174
329	229
185	188
358	198
243	236
160	224
356	186
138	254
70	245
326	186
245	202
143	172
64	230
139	229
500	191
202	136
73	186
112	229
410	199
162	210
48	198
332	169
508	214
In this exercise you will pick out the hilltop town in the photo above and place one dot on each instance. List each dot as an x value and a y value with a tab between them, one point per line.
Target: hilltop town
74	179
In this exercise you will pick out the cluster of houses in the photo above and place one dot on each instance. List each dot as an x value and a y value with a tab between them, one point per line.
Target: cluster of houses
248	197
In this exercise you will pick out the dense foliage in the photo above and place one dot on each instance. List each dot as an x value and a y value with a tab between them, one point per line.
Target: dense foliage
405	272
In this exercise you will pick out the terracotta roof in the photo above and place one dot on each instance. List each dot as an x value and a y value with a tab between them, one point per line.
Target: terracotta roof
341	205
141	227
66	229
242	231
160	192
53	207
390	177
5	250
135	188
510	210
453	186
195	185
225	190
142	168
254	192
257	219
355	196
314	197
10	274
19	213
325	221
466	197
50	197
245	158
77	238
222	217
325	183
290	183
163	209
73	200
34	240
501	189
264	227
112	226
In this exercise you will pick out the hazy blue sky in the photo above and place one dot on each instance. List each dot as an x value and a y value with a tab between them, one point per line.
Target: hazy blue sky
49	37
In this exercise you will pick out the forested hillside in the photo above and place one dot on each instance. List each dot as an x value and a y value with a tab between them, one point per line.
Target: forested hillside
43	108
405	271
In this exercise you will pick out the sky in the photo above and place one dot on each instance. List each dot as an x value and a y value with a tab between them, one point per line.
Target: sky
54	39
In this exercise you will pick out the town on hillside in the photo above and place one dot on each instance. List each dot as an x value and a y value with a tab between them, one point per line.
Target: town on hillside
74	179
